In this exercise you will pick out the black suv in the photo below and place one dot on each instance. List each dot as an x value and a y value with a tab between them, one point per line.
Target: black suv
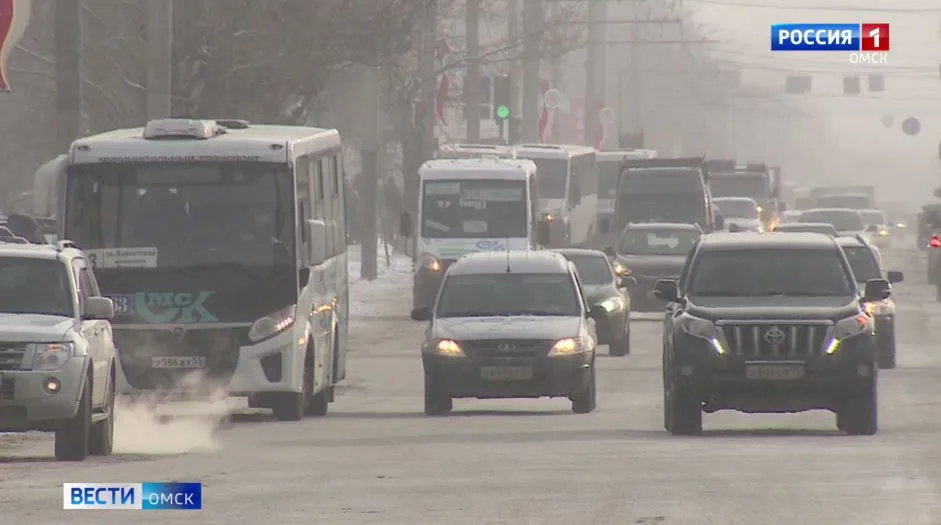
769	324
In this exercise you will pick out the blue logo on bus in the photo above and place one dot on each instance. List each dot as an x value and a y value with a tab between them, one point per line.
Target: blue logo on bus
490	245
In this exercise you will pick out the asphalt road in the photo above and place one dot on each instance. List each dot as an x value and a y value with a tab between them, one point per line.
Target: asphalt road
376	459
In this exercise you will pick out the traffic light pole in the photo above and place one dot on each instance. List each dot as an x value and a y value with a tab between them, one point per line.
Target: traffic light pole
472	79
532	22
594	86
513	36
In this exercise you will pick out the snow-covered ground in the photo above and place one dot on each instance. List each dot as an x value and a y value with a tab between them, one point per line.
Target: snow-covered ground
390	295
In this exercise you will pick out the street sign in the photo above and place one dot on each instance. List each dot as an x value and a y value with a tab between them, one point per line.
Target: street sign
552	99
911	126
14	17
607	115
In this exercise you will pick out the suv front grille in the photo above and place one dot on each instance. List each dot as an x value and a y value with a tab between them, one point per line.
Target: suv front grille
768	339
11	356
507	347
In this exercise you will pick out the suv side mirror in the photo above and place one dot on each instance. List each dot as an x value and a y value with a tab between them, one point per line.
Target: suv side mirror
895	277
98	309
405	225
627	282
597	312
666	290
422	313
317	230
877	290
542	232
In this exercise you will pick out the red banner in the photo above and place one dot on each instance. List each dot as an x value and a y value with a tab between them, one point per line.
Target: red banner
14	17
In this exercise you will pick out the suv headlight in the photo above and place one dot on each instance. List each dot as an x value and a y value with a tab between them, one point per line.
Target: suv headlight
567	346
883	307
703	329
449	348
847	328
430	262
52	356
613	304
272	324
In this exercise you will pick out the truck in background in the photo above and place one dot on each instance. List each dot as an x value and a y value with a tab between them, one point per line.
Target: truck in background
853	197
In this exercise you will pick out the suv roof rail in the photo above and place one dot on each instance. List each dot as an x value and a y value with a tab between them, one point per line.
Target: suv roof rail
65	244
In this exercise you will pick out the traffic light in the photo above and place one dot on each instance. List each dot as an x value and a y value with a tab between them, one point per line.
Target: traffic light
501	98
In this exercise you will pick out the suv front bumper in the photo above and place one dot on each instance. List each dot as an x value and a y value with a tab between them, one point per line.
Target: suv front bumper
27	404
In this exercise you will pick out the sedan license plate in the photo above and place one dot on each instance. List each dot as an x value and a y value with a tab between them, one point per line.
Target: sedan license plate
189	362
506	373
774	372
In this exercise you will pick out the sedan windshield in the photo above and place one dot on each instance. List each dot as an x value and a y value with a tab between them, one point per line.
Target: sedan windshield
593	270
504	294
34	286
770	272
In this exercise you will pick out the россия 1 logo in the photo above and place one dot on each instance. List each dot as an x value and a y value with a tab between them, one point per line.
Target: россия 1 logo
866	43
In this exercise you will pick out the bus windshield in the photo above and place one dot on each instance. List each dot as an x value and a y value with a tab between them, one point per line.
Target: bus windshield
184	214
552	175
466	209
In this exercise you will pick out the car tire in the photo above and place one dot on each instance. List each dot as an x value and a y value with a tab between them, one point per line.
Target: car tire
72	441
685	412
437	403
102	432
859	414
586	401
621	347
887	349
293	405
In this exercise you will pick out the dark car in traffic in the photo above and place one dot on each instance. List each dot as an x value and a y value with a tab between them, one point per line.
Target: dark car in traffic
605	289
649	251
769	324
510	325
866	262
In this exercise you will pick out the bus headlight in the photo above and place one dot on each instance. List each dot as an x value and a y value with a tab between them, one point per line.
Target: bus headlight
272	324
430	262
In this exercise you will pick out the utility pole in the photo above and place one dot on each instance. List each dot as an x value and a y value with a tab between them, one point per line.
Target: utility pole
69	78
472	79
369	267
596	15
160	58
532	26
634	88
427	110
513	37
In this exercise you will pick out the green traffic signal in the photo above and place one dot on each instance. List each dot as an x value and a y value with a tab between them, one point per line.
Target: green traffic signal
503	112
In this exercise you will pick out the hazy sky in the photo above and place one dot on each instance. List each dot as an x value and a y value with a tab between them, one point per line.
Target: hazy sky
912	75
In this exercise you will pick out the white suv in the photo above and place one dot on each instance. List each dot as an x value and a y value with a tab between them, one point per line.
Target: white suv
57	357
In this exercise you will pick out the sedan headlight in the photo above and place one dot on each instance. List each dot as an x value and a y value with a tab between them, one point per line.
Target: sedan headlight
430	262
613	304
703	329
272	324
567	346
52	356
847	328
449	348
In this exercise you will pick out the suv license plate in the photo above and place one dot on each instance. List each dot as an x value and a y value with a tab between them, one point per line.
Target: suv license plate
189	362
506	373
774	372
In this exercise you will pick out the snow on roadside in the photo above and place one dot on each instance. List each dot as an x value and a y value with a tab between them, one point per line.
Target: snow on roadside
389	296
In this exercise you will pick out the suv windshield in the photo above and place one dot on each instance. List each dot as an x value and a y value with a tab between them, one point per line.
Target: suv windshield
863	263
592	269
657	242
34	286
503	294
842	220
738	209
768	272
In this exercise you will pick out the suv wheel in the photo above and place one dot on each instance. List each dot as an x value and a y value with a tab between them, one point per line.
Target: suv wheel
621	347
586	401
859	414
72	438
685	412
437	403
887	349
102	432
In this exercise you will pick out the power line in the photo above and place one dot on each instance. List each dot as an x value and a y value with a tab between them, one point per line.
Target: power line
817	8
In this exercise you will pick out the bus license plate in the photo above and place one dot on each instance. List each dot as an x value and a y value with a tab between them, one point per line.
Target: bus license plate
506	373
189	362
774	372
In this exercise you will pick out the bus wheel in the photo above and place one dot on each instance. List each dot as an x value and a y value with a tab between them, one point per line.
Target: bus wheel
291	406
320	401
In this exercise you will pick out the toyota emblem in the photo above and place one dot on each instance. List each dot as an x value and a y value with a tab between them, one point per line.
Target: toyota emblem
775	335
505	347
178	332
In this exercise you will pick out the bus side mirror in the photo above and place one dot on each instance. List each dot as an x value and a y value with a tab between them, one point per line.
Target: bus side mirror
405	224
317	233
542	232
719	223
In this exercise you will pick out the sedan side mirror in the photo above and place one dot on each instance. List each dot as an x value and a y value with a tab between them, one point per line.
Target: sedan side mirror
895	277
872	228
627	282
422	313
877	290
597	312
667	290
